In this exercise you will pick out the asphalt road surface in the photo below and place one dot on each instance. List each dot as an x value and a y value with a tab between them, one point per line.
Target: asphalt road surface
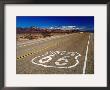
64	54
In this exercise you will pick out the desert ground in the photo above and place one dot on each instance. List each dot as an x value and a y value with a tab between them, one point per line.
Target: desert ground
60	54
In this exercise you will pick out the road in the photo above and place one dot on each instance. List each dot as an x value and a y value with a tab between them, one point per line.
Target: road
64	54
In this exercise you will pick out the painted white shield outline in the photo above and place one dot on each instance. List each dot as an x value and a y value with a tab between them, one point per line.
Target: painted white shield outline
48	58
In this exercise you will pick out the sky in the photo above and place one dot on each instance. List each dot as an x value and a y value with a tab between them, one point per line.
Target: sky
86	22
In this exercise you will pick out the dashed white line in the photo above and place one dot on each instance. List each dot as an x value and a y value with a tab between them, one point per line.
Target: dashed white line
84	67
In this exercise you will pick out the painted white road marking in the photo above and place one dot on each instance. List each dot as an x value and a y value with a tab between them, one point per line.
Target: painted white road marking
62	59
84	67
47	57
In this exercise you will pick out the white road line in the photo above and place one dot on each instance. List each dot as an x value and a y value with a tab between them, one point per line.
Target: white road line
84	67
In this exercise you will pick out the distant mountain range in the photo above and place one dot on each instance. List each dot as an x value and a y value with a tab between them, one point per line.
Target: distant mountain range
34	29
64	27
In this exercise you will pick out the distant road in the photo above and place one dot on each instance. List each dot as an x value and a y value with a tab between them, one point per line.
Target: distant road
65	54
